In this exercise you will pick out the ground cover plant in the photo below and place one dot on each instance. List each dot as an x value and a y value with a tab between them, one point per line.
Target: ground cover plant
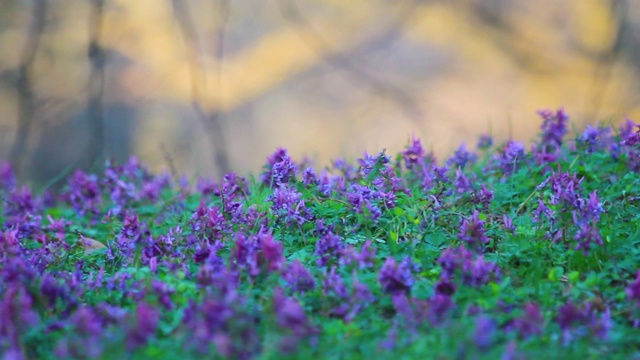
502	252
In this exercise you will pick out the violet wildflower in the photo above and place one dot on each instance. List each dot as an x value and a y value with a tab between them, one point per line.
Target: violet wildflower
485	142
208	221
279	170
633	290
288	205
479	272
245	254
395	277
361	297
593	207
347	170
298	277
163	292
444	286
452	258
543	212
309	177
206	186
366	256
508	224
587	234
145	327
554	127
461	182
333	284
568	314
595	139
271	250
630	133
512	157
484	196
84	193
530	323
414	154
329	247
289	313
7	176
472	231
369	162
485	332
462	157
440	305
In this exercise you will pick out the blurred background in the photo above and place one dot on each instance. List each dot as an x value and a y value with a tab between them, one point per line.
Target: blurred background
212	86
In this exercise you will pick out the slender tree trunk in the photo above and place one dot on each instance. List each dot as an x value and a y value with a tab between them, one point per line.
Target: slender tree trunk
23	84
95	107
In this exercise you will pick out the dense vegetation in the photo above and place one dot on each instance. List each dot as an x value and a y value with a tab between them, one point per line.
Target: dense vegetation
501	252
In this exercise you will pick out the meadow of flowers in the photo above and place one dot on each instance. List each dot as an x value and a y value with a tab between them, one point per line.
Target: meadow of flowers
499	252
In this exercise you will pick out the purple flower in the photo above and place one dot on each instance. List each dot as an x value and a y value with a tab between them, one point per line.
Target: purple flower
298	277
414	154
444	286
367	255
485	332
369	162
288	205
462	157
568	315
630	133
593	207
309	177
245	254
508	224
484	196
333	284
554	127
452	258
484	142
84	193
479	272
586	235
7	176
512	157
461	182
280	169
145	327
543	212
440	305
472	231
271	249
328	248
530	323
396	278
289	313
633	290
596	139
208	221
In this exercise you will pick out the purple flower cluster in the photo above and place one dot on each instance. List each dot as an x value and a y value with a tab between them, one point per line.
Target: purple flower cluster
280	169
122	262
566	192
397	278
474	269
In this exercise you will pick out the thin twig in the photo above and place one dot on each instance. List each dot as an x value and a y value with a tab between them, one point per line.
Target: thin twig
354	71
212	122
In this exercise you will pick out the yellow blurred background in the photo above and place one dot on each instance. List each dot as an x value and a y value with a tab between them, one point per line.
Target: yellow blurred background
218	85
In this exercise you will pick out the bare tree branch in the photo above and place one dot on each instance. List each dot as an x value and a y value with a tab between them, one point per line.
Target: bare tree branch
344	63
23	83
212	121
95	108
